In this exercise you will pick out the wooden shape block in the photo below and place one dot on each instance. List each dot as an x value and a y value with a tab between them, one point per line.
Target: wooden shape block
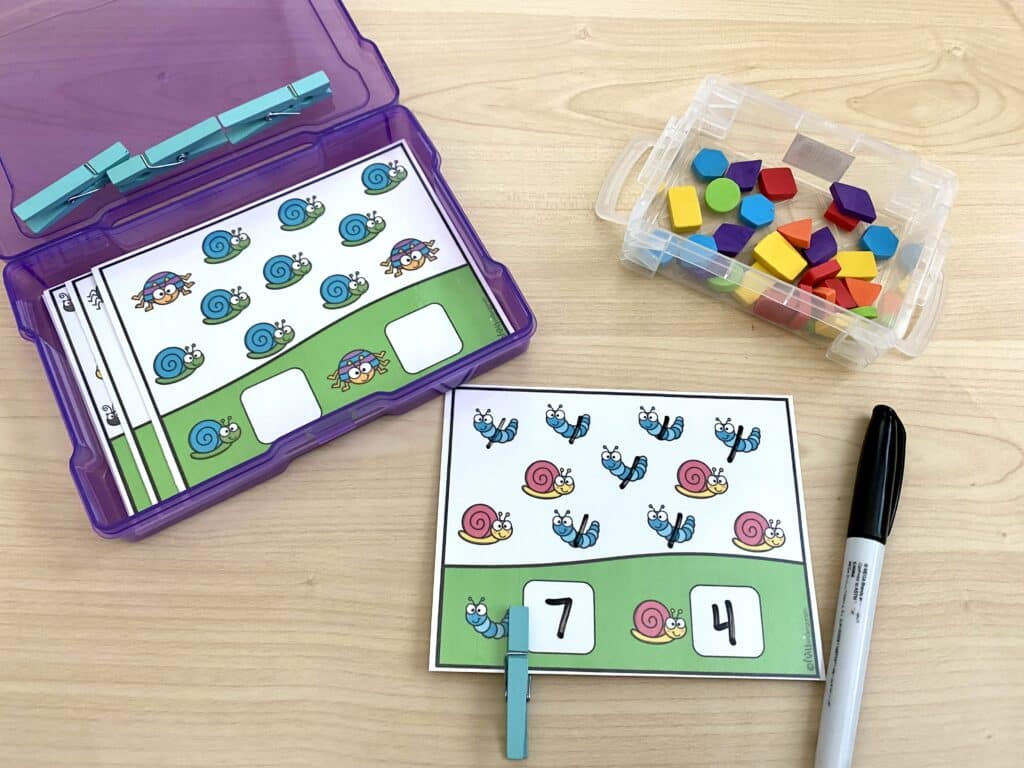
828	294
869	312
853	201
843	297
729	283
752	285
889	303
880	241
779	257
822	248
732	238
863	292
770	306
798	232
820	273
722	195
777	184
857	264
684	209
832	327
757	211
847	223
744	173
697	263
709	164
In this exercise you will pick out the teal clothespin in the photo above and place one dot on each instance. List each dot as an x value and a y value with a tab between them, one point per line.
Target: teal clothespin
517	681
250	118
168	154
67	193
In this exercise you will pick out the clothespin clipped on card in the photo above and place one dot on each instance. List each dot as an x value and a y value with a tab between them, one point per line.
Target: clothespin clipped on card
168	154
250	118
517	682
67	193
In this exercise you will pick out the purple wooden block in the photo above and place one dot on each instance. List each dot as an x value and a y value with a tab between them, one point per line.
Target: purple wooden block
744	173
853	201
730	238
822	248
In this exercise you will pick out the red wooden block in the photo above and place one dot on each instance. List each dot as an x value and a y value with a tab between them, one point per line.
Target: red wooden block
769	307
820	273
777	184
797	232
863	292
801	304
828	294
842	221
843	297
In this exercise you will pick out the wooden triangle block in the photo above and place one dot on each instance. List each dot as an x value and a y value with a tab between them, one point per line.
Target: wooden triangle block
863	292
797	232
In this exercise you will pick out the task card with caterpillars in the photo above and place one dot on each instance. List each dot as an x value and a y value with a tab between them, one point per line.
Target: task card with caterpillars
649	533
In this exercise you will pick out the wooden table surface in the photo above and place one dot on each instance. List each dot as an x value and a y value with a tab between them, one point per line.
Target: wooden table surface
289	627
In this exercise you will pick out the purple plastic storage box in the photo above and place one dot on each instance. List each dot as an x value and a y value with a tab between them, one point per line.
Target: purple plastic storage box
76	76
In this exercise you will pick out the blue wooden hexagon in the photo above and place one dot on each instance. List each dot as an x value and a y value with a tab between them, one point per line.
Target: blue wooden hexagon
757	211
880	241
710	164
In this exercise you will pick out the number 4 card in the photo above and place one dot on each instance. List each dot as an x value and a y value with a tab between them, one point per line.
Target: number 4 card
648	534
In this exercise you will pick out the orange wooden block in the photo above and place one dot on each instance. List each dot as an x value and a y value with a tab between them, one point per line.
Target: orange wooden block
890	303
797	232
863	292
828	294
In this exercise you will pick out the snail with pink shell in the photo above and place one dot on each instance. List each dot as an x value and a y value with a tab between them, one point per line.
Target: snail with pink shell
482	525
546	481
699	481
655	624
756	534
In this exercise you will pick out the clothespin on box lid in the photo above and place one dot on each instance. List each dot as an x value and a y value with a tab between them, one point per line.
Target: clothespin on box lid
168	154
250	118
517	682
67	193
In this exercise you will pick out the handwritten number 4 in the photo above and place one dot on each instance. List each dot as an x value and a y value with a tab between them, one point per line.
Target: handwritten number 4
566	603
729	624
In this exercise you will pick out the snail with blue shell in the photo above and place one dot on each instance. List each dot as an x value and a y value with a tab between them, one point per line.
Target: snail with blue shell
224	245
298	214
283	271
173	364
358	367
266	339
220	305
339	291
358	228
379	178
162	288
209	438
409	254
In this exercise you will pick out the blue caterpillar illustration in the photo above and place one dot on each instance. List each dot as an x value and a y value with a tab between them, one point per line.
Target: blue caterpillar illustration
555	418
611	460
563	526
483	423
650	423
476	616
726	432
658	520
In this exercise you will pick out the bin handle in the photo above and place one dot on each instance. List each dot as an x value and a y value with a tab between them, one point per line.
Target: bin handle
913	343
608	197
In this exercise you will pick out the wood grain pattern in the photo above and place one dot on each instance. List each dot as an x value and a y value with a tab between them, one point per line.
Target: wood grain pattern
289	626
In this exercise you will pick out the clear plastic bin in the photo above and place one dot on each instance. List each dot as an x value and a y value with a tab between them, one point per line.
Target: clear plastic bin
911	196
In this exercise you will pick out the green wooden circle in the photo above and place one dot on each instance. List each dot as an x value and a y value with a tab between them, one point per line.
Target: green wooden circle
729	283
722	195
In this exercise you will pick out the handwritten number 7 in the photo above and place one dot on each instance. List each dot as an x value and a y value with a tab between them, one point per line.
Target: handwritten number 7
728	623
566	603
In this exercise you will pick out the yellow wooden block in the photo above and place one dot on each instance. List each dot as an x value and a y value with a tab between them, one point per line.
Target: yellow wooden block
779	257
832	326
684	209
857	264
752	285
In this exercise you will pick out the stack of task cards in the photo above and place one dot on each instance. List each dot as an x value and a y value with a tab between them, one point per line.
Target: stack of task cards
648	534
196	353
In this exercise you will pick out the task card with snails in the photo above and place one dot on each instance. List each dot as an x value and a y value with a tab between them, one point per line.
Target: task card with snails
649	533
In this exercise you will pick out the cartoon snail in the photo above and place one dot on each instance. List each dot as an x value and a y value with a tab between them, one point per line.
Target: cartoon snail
483	423
220	305
699	481
654	623
284	271
222	245
209	438
555	418
652	424
358	228
482	525
379	178
476	616
263	339
726	432
339	291
546	481
755	534
566	530
176	363
658	521
298	214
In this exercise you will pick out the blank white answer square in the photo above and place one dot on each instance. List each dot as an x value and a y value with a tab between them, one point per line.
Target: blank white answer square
545	618
423	338
747	629
280	404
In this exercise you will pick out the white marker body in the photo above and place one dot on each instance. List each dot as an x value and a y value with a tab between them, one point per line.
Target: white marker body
851	641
